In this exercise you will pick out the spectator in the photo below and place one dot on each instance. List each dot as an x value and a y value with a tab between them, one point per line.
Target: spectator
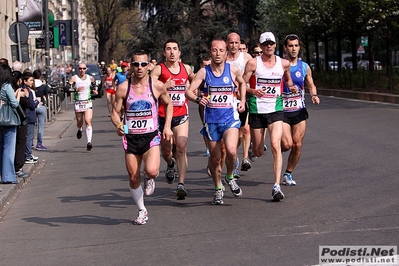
28	84
41	109
16	66
8	134
21	129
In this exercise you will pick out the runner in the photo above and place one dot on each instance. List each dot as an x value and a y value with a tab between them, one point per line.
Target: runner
221	116
176	76
139	96
83	86
239	59
266	103
109	89
295	113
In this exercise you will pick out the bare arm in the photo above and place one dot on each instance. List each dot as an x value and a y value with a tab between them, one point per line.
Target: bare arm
250	68
287	76
311	87
197	81
160	87
239	80
117	107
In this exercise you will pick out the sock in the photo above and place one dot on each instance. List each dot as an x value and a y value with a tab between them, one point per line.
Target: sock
276	185
171	165
229	177
180	184
89	133
137	195
80	129
288	172
219	187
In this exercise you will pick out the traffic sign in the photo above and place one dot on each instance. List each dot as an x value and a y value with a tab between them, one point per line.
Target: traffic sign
18	28
364	40
360	50
62	33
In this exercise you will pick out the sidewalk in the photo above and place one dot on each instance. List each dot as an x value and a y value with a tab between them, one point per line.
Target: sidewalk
52	131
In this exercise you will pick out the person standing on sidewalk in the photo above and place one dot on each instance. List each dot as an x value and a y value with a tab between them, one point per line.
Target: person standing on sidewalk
177	77
28	85
221	117
8	134
20	147
295	113
41	109
84	85
139	96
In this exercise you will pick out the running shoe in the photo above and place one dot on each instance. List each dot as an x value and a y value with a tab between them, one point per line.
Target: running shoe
181	192
287	180
217	197
22	174
40	147
79	134
171	173
245	164
149	186
277	194
89	146
142	218
207	154
251	155
35	158
234	187
264	147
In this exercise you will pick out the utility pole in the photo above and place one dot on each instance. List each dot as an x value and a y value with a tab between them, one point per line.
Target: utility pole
47	38
73	32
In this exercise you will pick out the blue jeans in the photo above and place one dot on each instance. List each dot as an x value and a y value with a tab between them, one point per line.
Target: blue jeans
29	141
41	117
8	138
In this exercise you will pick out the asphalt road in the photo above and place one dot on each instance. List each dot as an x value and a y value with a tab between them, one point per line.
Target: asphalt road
77	209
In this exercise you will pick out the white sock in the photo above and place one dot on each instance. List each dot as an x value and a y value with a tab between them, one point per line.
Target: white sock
89	133
137	195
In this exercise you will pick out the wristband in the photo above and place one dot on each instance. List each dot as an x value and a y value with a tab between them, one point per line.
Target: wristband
315	95
198	100
120	125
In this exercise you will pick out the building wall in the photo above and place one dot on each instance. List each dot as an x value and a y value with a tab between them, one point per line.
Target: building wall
7	17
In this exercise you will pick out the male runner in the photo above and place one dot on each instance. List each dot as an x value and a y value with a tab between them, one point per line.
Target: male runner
139	95
109	88
266	104
295	113
239	59
83	86
221	116
176	76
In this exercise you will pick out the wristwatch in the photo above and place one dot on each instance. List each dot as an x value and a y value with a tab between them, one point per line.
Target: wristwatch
198	100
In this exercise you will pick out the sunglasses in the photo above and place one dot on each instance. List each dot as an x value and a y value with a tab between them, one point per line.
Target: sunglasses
82	68
256	52
143	64
266	43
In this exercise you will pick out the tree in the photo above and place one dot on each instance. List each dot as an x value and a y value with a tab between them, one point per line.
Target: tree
106	16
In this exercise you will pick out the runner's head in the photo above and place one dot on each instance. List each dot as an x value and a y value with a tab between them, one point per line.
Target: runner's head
139	64
218	51
171	50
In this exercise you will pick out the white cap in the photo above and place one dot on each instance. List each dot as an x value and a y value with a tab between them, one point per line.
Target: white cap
102	63
267	36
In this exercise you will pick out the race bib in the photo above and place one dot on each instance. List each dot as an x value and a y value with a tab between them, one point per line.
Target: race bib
221	97
271	87
140	122
82	106
292	102
178	95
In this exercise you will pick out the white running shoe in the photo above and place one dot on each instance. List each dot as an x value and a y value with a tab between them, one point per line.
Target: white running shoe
142	218
287	180
149	185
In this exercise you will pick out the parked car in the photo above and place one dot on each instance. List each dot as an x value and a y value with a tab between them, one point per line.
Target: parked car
333	65
347	65
365	64
95	71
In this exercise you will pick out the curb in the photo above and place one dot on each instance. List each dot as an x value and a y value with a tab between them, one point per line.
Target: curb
358	95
